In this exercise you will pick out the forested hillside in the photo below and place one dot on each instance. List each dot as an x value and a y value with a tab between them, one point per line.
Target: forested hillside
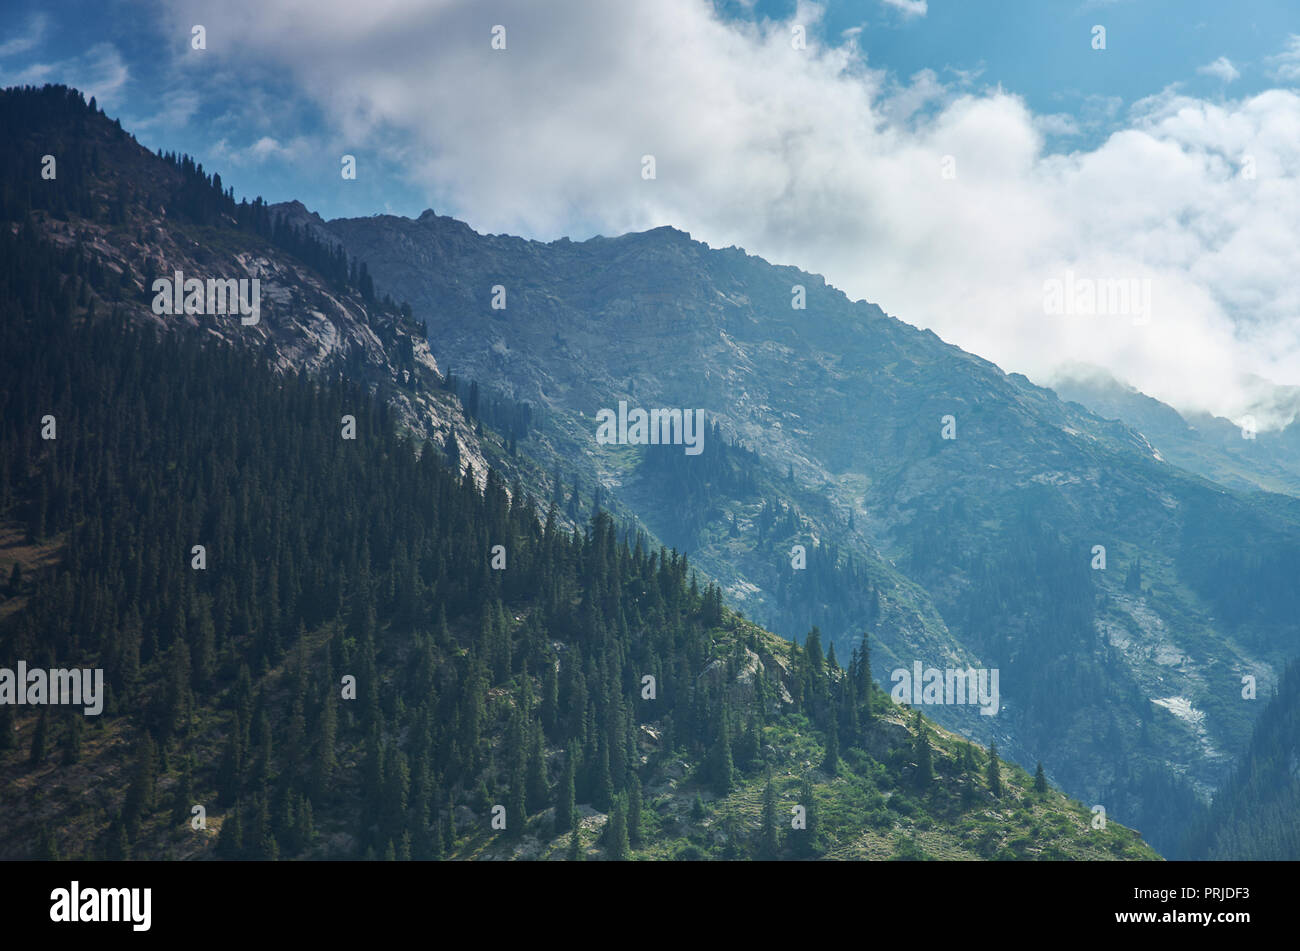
1256	815
308	629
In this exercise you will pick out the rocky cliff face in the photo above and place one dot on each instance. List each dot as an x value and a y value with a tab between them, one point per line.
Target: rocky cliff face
306	323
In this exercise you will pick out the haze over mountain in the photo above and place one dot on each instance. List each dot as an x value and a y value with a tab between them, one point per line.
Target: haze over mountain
1240	455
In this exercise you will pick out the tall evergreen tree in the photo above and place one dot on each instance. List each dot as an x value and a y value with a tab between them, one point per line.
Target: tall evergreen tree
994	772
616	844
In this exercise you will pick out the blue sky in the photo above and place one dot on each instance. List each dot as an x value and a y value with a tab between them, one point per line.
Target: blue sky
947	159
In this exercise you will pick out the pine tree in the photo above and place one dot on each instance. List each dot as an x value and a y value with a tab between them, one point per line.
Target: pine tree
604	785
305	829
831	761
537	787
616	830
183	796
140	796
564	804
924	756
516	809
994	772
231	771
634	811
865	685
449	827
323	756
1040	780
722	769
230	840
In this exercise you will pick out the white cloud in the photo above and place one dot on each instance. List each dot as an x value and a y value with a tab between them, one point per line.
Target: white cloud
99	72
1286	65
27	40
810	157
263	149
1221	68
909	8
1058	123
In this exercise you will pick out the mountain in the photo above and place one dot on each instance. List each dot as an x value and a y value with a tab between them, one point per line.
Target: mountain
1120	668
336	615
1256	815
1233	455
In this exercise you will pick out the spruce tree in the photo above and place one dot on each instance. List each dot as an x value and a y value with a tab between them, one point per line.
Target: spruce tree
994	772
564	804
1040	780
924	756
230	840
831	761
616	830
722	769
634	810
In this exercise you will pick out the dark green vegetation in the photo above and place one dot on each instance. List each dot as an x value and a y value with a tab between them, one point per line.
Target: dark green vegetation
1256	815
329	558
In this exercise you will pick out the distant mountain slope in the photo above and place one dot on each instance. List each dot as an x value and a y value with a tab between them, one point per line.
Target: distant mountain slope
1211	446
1256	816
973	550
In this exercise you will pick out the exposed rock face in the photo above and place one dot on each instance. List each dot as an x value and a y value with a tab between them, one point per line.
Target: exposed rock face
306	324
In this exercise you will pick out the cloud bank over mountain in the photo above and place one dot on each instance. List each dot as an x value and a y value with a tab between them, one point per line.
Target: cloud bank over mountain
949	203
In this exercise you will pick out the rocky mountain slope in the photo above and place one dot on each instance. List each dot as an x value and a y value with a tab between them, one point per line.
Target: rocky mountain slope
1121	672
1237	455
